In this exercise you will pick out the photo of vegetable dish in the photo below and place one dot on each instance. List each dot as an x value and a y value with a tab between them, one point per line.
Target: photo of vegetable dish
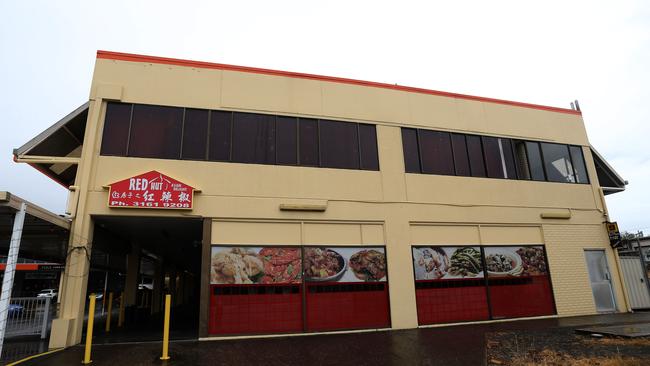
465	262
322	264
281	265
533	261
236	266
368	265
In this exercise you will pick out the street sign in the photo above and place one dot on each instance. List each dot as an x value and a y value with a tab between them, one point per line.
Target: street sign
151	190
614	234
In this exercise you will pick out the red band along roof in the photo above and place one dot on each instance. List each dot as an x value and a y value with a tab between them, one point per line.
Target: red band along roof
209	65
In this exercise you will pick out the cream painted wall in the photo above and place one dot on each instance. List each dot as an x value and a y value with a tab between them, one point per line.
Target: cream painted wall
363	207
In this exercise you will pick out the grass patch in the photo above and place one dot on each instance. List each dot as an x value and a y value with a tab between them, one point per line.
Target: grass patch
549	357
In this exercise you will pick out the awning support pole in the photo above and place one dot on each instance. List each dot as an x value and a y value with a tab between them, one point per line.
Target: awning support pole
10	270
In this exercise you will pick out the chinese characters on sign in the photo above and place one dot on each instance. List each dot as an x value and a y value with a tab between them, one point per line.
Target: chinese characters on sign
151	190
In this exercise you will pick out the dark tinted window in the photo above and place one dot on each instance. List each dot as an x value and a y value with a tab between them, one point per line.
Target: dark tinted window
339	144
308	141
116	129
435	152
535	161
579	164
557	162
286	129
521	159
509	158
156	132
411	152
195	134
253	138
220	134
493	160
475	152
368	147
461	158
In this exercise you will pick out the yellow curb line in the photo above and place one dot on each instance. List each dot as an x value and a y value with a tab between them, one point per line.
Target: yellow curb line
35	356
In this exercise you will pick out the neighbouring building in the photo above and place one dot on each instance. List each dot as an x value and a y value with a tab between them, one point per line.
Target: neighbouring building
274	202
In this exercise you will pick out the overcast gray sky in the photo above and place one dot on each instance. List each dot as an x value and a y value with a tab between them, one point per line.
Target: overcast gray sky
549	52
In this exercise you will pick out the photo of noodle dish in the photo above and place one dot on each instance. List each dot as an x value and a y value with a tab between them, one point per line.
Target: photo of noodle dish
430	263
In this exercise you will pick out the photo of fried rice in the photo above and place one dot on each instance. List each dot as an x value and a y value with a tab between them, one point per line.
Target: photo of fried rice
235	266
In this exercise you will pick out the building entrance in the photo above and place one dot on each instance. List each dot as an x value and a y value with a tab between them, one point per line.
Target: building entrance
139	260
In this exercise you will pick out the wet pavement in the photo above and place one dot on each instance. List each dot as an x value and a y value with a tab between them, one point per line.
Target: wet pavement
454	345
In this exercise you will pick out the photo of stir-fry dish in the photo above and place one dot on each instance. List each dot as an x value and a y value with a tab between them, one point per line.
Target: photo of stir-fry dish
465	262
532	261
321	264
368	265
430	263
235	266
281	265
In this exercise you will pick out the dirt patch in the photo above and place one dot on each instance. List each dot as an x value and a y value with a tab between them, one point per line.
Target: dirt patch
564	347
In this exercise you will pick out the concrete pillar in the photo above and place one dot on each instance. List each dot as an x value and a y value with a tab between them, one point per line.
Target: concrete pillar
132	275
66	330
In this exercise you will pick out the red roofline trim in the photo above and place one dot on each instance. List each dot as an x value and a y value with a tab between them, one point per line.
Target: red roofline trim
109	55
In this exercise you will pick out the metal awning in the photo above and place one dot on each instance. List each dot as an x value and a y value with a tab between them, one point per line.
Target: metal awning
45	234
610	181
56	151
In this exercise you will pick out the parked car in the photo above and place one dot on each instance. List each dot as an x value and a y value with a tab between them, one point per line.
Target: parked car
48	292
15	310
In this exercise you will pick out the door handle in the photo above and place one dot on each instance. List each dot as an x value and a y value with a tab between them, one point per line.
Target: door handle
607	276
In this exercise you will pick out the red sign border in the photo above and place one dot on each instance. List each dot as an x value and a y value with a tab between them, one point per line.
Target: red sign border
110	189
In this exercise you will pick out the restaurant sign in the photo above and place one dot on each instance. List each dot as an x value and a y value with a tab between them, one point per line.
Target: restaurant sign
151	190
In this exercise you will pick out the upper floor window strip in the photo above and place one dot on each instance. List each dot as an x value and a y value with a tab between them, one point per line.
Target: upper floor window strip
442	153
150	131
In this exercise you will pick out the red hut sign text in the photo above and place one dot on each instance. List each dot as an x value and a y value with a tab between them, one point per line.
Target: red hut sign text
151	190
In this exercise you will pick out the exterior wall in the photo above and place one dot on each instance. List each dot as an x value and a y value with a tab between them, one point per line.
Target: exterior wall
363	207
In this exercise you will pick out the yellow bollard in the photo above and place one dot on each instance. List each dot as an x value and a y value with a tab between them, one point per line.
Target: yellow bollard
110	310
89	330
165	350
120	318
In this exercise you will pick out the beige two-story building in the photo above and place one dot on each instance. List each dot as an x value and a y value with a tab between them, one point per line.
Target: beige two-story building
272	202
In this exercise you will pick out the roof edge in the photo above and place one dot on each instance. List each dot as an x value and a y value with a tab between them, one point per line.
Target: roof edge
29	145
615	174
119	56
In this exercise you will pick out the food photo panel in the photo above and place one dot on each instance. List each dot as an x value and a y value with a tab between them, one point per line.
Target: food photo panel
447	262
255	265
515	261
345	264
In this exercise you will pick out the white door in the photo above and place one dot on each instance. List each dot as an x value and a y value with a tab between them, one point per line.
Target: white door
601	281
635	282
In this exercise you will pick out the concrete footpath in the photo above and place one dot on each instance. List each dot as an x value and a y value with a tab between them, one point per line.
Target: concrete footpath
453	345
